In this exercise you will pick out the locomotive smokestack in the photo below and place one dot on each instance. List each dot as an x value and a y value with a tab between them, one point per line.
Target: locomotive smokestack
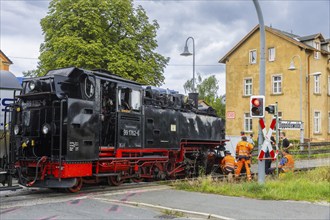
194	97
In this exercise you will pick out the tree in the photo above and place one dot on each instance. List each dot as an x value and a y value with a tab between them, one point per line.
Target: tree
102	34
207	89
219	107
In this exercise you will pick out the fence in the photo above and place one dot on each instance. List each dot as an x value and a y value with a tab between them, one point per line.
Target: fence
309	148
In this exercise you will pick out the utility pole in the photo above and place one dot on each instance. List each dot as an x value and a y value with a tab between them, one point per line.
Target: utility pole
261	164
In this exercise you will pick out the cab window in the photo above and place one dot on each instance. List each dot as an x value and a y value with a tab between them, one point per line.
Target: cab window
136	100
129	99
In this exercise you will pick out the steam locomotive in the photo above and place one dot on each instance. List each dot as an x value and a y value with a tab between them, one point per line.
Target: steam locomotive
75	126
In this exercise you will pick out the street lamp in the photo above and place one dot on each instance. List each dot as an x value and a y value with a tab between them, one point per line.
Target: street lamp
292	67
187	53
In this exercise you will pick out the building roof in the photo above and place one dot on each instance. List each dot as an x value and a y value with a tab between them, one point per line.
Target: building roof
292	38
326	41
8	80
311	37
8	60
286	33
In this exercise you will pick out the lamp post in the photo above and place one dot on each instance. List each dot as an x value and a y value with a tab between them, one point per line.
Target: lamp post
187	53
262	73
292	67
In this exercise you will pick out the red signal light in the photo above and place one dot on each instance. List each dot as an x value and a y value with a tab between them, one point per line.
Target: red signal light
255	102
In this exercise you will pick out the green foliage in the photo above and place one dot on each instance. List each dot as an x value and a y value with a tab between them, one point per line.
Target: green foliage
219	107
207	89
106	34
173	213
188	86
313	185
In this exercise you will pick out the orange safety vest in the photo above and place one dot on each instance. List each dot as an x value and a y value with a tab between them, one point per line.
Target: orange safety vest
289	165
228	161
243	149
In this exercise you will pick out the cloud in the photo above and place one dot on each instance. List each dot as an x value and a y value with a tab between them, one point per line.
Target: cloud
21	17
24	54
21	33
211	24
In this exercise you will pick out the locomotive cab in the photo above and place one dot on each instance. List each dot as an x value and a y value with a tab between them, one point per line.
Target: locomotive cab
121	115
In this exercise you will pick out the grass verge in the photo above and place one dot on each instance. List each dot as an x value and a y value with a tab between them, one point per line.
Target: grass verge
312	186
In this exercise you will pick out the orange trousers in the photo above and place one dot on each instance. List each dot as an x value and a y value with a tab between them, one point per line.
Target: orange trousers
240	164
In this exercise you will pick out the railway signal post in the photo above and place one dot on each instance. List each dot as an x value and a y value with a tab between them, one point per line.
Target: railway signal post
274	126
257	110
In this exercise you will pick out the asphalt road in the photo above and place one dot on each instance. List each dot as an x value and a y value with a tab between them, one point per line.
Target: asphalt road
225	207
45	204
154	202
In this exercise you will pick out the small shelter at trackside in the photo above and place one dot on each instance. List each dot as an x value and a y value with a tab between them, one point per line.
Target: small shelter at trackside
9	84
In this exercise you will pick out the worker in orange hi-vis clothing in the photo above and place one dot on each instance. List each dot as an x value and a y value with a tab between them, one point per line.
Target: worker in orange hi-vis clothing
243	156
228	163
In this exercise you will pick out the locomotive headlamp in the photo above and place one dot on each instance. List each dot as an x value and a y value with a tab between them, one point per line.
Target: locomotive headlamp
45	128
17	129
35	85
32	85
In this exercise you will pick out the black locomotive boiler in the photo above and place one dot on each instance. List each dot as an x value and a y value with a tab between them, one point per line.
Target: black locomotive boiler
73	126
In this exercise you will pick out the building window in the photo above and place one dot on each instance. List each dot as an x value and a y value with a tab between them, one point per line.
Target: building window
328	85
317	47
247	122
271	54
253	56
277	84
317	122
317	87
329	122
247	87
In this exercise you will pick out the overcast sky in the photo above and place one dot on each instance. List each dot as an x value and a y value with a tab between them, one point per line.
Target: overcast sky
216	26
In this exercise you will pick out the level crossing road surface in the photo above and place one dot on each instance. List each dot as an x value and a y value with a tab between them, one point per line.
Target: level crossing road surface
158	202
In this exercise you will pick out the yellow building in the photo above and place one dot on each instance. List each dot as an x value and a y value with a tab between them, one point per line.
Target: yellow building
5	62
309	54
